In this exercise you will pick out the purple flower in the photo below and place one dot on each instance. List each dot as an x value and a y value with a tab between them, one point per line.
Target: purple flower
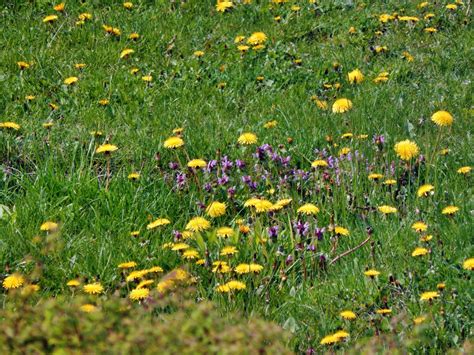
180	180
208	187
173	165
240	164
318	232
273	232
211	165
177	235
231	192
226	163
301	228
289	259
223	180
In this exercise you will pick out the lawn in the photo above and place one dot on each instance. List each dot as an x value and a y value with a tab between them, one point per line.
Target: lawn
300	165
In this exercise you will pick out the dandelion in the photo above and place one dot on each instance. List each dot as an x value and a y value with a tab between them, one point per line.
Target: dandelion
387	209
179	246
450	210
71	80
229	250
133	176
220	267
147	78
348	315
197	163
127	265
126	53
419	226
223	6
198	54
341	106
308	209
372	273
419	252
341	231
216	209
468	264
406	149
441	286
270	124
49	226
50	19
319	164
139	294
419	320
198	224
10	125
225	232
13	281
59	7
158	223
375	176
355	76
106	149
442	118
426	238
425	190
93	289
257	38
390	182
383	311
464	170
190	254
145	283
73	283
247	139
128	5
429	296
88	308
329	340
23	65
173	142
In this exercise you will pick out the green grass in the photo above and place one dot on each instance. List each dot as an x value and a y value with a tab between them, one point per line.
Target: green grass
55	174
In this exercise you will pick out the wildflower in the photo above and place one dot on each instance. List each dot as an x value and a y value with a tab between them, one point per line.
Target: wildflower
387	209
355	76
104	102
341	231
329	340
106	148
197	163
128	5
198	54
341	106
408	56
319	163
225	232
230	286
153	269
73	283
126	53
135	275
450	210
50	18
147	78
179	246
441	286
220	267
139	294
93	288
13	281
341	334
419	252
383	311
349	315
134	233
451	7
158	223
22	65
223	6
145	283
173	142
468	264
263	206
247	139
429	296
375	176
389	182
344	151
426	238
134	36
134	176
308	209
59	7
270	124
216	209
406	149
229	250
430	30
190	254
88	308
425	190
464	170
198	224
442	118
10	125
243	48
71	80
127	265
372	273
49	226
419	226
257	38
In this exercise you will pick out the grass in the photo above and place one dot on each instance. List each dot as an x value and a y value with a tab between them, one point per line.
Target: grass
54	174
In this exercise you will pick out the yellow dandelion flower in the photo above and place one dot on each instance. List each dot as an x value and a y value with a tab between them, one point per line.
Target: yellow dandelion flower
450	210
88	308
319	163
426	238
406	149
341	231
50	19
263	206
419	226
49	226
23	65
221	267
429	296
73	283
228	250
383	311
225	232
190	254
93	288
173	142
419	320
257	38
355	76
106	148
10	125
387	209
223	6
425	190
71	80
197	163
329	340
468	264
341	105
389	182
126	53
419	252
139	294
349	315
375	176
179	246
13	281
145	283
128	5
308	209
198	224
127	265
270	124
216	209
372	273
442	118
133	176
158	223
464	170
247	139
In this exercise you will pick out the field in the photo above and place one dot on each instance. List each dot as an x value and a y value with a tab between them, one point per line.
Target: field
240	177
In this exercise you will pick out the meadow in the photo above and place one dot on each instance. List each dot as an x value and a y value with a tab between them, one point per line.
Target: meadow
236	177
